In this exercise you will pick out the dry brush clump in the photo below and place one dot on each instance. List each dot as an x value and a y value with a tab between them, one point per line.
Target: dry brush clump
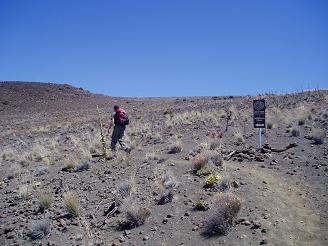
135	217
226	207
71	204
295	131
318	136
166	186
175	147
45	200
239	137
40	229
126	188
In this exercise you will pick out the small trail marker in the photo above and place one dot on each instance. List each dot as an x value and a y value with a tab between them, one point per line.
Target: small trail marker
259	117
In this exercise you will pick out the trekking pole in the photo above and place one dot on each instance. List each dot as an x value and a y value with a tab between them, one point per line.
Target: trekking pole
102	140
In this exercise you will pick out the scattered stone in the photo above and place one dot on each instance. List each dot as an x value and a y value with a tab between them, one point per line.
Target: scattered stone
263	242
235	184
195	228
256	224
145	238
165	221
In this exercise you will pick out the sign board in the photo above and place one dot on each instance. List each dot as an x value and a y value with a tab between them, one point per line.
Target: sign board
259	113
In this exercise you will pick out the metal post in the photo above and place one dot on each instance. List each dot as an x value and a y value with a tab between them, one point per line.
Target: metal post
260	135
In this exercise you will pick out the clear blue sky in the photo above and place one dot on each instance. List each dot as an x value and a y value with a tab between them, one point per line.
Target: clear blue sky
167	47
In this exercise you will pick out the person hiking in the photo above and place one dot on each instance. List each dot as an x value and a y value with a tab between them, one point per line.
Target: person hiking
119	120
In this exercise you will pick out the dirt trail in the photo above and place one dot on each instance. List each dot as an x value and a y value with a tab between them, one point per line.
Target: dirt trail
291	219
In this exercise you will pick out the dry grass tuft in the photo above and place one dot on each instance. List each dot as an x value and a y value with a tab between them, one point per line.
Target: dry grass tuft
217	159
71	204
45	201
126	188
25	191
318	136
239	136
175	148
226	209
295	132
135	217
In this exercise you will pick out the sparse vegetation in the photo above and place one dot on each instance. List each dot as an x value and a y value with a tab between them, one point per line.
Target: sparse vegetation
135	217
212	180
204	171
239	137
225	210
83	166
202	205
200	161
215	144
45	201
71	204
25	191
318	136
40	229
126	188
217	159
295	132
68	165
175	148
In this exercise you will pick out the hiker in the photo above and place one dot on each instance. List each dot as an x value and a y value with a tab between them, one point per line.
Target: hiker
119	121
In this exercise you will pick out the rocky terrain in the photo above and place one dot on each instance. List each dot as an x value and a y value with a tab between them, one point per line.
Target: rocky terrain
195	175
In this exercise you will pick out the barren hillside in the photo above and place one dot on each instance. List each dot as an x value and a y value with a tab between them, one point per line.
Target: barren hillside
194	177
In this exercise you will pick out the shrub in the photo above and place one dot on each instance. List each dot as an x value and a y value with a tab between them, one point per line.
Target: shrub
45	201
224	185
135	217
239	136
126	188
217	159
212	179
226	209
82	167
8	155
71	204
40	229
24	191
301	121
204	171
167	182
166	197
151	157
214	144
318	136
295	132
175	148
68	165
201	205
200	161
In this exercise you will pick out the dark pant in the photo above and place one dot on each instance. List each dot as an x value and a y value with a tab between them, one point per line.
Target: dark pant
117	136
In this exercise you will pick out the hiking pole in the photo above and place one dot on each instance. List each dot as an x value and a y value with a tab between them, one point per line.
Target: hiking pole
102	140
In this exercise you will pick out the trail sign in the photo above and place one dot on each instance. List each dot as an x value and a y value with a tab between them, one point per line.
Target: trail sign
259	113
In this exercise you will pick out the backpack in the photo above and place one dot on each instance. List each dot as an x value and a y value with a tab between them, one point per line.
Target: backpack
121	117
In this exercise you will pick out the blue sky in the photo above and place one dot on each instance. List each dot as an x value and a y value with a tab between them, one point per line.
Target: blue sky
167	48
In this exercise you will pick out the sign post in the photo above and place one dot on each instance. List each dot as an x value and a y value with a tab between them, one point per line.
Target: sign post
259	117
